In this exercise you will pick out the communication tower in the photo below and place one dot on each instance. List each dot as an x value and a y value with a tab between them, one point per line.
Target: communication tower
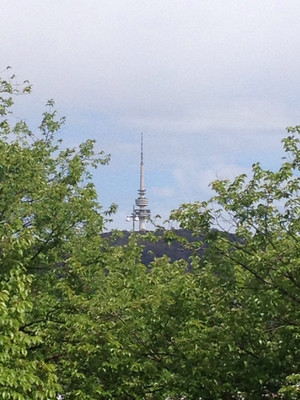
141	213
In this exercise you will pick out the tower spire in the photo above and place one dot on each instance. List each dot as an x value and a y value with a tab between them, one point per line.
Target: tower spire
142	148
142	202
142	182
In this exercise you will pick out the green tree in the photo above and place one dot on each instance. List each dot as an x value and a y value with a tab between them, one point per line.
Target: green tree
84	317
48	206
256	272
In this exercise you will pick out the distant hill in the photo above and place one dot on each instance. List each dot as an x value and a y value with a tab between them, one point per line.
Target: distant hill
151	250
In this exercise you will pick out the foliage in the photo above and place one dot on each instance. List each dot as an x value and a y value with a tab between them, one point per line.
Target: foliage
256	271
47	205
84	317
291	390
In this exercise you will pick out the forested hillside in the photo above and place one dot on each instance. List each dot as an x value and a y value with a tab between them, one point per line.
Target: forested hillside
159	243
81	318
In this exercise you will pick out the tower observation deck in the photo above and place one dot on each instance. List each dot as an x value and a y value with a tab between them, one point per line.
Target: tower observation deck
142	212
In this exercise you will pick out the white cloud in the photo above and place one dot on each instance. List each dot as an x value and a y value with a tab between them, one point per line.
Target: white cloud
194	183
161	192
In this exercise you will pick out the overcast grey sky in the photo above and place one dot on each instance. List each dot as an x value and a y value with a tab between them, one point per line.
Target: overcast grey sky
212	85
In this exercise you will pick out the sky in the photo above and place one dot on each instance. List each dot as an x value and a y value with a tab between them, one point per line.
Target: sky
212	84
